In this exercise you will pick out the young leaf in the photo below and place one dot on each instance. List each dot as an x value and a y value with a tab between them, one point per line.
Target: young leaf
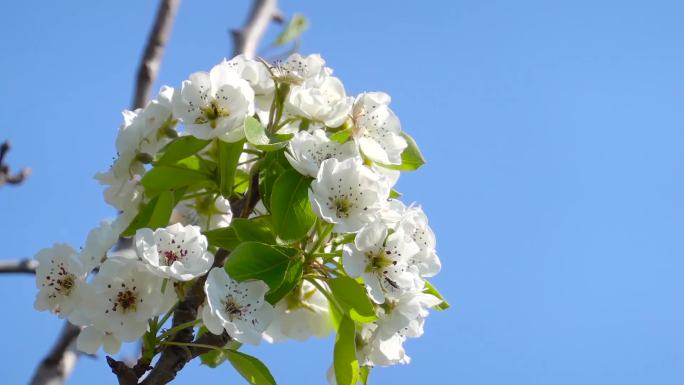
154	214
273	166
256	134
250	368
363	374
411	158
344	357
290	206
171	177
291	278
429	289
295	27
256	229
353	299
341	136
224	238
213	358
228	156
181	148
254	260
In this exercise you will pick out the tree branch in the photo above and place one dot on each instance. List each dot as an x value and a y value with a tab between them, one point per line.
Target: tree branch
56	367
6	177
22	266
154	50
246	40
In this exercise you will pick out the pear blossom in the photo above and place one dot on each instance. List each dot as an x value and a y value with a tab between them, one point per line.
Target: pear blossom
296	69
303	313
415	224
382	261
214	104
376	351
238	308
60	279
322	101
99	241
347	193
406	314
178	252
90	339
306	151
377	129
123	296
258	77
206	212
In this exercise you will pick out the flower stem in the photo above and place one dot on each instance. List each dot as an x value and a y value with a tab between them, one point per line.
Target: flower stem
190	344
178	328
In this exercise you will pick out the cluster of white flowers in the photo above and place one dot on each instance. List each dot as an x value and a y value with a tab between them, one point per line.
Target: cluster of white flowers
350	151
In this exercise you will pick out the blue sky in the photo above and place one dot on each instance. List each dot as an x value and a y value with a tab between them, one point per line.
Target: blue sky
555	186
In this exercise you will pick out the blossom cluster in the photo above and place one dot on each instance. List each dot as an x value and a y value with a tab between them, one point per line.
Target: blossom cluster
272	190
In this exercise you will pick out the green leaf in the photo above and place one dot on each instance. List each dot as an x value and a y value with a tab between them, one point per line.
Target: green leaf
228	157
341	136
291	278
295	27
170	177
353	298
250	368
363	374
240	182
224	238
154	214
213	358
256	229
273	166
394	194
256	134
290	206
429	289
181	148
254	260
411	158
344	357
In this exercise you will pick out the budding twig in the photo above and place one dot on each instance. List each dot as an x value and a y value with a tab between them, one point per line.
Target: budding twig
6	177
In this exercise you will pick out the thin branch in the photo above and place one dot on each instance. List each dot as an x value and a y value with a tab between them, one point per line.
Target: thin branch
56	367
6	177
154	50
246	40
22	266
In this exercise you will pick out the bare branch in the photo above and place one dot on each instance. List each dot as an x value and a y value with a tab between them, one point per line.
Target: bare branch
246	40
22	266
154	50
56	367
6	177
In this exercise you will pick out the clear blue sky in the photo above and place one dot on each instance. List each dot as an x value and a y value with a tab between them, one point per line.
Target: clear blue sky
555	182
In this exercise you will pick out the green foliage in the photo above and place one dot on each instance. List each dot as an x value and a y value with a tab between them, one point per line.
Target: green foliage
341	136
224	238
280	267
353	298
228	157
344	356
363	374
250	368
290	206
256	135
256	229
180	148
411	158
274	165
429	289
191	172
154	214
294	29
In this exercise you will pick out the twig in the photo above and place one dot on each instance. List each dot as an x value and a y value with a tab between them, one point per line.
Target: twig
6	177
246	40
154	50
56	367
22	266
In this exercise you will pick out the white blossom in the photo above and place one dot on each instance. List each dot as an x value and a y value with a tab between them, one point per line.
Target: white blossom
383	261
90	339
347	193
178	252
60	279
215	104
99	241
297	69
306	151
238	308
258	77
322	101
415	224
123	297
377	128
206	212
302	314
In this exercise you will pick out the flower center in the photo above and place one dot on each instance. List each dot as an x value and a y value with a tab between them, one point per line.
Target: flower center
65	284
126	299
211	114
234	309
342	207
